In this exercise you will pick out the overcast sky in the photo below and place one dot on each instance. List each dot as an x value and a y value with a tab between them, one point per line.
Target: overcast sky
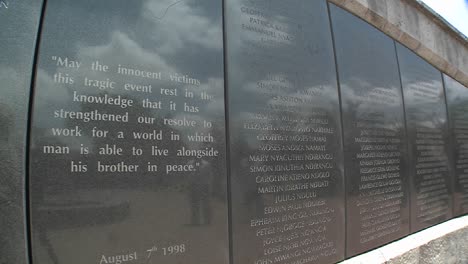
454	11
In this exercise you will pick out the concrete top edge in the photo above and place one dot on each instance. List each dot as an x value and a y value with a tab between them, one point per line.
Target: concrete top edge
442	21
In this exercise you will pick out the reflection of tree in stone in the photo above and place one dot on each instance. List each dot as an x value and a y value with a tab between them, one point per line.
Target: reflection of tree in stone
243	183
200	191
8	192
54	168
219	181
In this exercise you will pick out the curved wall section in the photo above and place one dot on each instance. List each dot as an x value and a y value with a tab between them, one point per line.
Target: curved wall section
428	138
457	101
128	160
19	24
216	132
375	149
285	133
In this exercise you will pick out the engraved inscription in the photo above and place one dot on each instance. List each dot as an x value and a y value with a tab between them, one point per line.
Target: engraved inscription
460	130
374	134
457	100
67	75
378	153
4	4
286	122
427	126
128	134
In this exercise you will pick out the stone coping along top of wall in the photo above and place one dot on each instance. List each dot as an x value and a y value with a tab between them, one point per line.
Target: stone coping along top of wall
418	28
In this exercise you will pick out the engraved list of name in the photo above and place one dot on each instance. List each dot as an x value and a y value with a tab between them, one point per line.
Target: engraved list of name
377	151
426	119
374	134
290	138
457	100
427	125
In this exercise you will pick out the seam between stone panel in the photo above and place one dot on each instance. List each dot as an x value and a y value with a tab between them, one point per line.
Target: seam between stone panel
27	186
227	135
338	87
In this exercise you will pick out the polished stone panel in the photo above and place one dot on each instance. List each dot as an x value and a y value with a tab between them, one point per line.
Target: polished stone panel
427	128
19	21
457	102
285	134
128	159
374	134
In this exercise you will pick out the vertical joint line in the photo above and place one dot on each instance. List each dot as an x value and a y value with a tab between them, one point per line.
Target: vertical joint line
338	86
452	146
227	135
27	197
408	157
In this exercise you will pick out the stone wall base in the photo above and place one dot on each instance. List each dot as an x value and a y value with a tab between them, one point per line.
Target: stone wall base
445	243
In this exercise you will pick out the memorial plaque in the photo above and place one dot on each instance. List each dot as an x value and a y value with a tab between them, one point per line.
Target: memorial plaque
285	135
374	134
19	21
457	101
128	161
426	122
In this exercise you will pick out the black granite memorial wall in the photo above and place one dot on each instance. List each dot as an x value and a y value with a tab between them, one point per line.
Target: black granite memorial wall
128	158
457	101
19	25
374	134
336	138
285	133
426	122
